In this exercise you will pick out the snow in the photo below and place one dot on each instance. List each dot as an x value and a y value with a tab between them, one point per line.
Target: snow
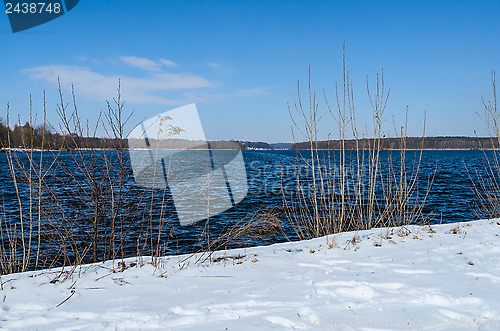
415	278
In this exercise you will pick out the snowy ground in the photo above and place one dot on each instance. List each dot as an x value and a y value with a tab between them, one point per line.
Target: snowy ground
447	277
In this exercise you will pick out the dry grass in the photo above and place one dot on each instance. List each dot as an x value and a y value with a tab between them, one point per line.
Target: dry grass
346	190
486	180
79	206
264	226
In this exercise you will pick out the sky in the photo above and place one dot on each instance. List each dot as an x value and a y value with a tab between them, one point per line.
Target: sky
241	61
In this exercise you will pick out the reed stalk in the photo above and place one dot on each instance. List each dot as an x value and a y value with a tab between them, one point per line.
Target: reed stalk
350	189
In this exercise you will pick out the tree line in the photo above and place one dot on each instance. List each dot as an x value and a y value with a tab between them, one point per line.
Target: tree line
38	137
409	143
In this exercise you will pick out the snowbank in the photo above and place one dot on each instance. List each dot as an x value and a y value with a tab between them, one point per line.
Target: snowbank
444	277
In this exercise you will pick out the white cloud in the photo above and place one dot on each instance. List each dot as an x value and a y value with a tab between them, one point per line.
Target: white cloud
168	63
96	86
141	62
251	92
147	64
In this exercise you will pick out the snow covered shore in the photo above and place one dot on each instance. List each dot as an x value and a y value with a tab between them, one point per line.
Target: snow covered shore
444	277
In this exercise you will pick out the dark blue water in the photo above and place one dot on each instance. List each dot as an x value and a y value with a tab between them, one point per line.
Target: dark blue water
450	198
75	189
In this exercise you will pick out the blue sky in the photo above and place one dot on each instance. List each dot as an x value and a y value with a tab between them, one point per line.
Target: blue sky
240	60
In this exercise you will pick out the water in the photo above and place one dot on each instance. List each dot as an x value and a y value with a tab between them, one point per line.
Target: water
71	196
451	197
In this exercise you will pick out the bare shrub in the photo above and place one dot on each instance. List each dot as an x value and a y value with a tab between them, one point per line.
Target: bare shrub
351	189
79	203
486	180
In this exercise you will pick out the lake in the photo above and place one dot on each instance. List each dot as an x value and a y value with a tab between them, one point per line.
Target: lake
70	197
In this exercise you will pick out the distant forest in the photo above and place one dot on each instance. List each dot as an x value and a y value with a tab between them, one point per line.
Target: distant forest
411	143
21	136
26	136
